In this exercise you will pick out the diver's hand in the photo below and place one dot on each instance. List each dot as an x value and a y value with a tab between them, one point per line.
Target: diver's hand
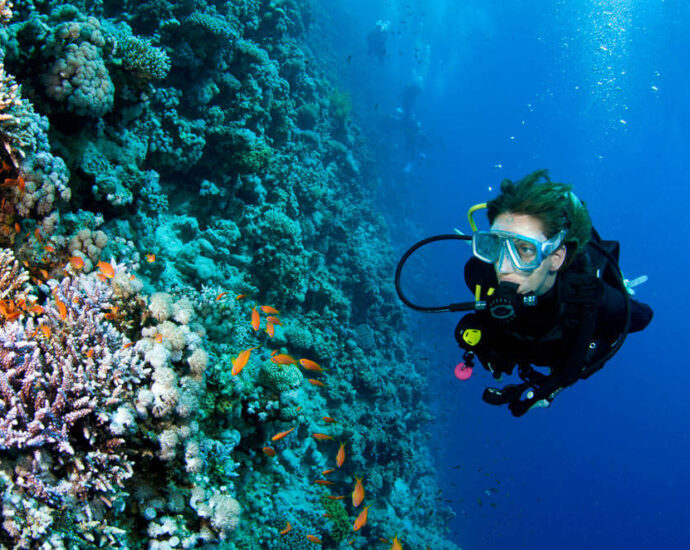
533	398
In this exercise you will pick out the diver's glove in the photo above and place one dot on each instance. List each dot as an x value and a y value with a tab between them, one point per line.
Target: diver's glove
534	398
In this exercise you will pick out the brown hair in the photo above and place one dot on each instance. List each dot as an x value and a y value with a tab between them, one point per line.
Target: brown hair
553	203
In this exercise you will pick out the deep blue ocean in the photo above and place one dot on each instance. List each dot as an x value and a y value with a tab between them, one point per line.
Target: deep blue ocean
469	92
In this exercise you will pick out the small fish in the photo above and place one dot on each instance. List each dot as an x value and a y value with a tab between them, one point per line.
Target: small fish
396	544
17	228
308	364
62	308
159	338
270	330
112	314
240	296
361	520
76	262
274	320
323	482
274	352
150	258
241	360
316	382
328	419
128	345
89	353
287	529
340	497
269	451
220	296
283	359
298	409
37	233
326	472
256	320
46	331
322	437
270	310
106	269
314	539
281	435
49	248
45	274
358	493
340	457
35	308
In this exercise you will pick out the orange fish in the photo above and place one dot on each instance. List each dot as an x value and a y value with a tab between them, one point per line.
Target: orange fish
336	498
62	308
269	451
314	539
323	482
269	309
340	457
396	544
270	329
274	320
35	308
316	382
310	365
298	409
76	262
274	352
37	232
281	435
127	345
287	529
283	359
90	352
150	258
241	360
220	296
329	419
256	320
240	296
326	472
112	314
45	274
106	269
17	228
321	437
361	520
358	493
159	338
49	248
46	331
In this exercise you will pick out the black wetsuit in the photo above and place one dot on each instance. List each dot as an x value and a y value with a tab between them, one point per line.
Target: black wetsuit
538	338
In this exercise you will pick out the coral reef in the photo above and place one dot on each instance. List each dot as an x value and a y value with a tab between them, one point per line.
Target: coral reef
187	230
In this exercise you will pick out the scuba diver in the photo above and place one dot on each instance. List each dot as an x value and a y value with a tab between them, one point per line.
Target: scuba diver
550	299
376	40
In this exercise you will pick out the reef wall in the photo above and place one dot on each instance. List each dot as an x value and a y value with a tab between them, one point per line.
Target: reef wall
191	267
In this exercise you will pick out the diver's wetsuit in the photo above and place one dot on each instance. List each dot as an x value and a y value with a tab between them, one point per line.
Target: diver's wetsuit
537	322
537	337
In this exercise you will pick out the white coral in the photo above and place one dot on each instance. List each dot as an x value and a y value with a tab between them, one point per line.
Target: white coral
160	305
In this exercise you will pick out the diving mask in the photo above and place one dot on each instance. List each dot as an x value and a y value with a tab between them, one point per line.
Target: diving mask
525	253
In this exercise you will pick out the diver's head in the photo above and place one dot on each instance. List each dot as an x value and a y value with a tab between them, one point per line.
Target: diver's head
555	224
526	256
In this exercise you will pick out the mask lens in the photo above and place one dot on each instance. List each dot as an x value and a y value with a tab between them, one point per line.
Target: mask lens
526	252
486	246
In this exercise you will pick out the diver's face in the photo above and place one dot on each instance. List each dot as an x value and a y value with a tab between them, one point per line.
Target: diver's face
543	277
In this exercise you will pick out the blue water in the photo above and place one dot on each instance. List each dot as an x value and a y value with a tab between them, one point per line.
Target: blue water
597	92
